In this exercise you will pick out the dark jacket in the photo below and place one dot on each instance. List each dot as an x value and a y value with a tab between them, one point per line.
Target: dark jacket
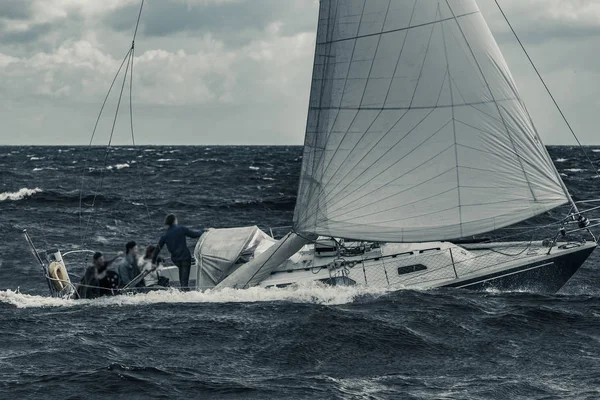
92	284
175	239
88	289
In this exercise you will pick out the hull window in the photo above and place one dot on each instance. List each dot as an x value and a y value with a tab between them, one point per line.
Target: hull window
411	268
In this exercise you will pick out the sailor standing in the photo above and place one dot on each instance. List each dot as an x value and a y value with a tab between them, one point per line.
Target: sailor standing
175	239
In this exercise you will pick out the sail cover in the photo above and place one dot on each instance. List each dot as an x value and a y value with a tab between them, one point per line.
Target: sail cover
416	130
219	252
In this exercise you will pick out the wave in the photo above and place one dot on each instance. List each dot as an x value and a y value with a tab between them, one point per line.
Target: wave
209	160
19	195
71	197
118	166
313	293
45	169
284	204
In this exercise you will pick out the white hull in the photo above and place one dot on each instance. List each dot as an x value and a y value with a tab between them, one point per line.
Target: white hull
430	265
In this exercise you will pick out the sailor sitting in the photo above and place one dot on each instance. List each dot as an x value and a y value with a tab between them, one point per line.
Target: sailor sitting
152	278
127	265
97	280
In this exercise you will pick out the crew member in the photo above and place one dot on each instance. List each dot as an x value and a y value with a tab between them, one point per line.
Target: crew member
97	281
152	278
127	266
175	239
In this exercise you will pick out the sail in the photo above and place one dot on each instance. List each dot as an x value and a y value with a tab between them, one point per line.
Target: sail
416	130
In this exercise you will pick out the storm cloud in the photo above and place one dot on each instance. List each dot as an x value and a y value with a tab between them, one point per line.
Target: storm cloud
238	71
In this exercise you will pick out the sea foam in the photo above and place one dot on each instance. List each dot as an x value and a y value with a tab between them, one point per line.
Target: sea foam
20	195
118	166
314	293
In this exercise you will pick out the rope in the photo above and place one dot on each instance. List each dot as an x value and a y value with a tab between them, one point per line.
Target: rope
513	255
547	89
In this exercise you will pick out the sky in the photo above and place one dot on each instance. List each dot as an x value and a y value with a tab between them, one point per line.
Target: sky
238	71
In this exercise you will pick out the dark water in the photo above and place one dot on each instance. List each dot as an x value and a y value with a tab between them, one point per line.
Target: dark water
296	343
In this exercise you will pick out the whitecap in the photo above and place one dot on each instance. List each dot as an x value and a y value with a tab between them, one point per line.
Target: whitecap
36	158
562	160
102	239
118	166
596	150
313	293
574	170
44	169
266	178
20	195
165	160
253	168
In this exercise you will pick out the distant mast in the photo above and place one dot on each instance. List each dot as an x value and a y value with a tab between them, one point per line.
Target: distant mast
416	130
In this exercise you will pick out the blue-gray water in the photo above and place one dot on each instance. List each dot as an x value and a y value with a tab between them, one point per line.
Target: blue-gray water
294	343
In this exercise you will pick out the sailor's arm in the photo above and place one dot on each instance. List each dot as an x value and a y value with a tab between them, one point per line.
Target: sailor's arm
109	262
193	234
157	250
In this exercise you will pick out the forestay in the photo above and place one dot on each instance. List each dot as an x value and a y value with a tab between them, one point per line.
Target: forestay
416	130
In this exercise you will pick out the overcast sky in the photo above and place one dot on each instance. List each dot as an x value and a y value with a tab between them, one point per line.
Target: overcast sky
238	71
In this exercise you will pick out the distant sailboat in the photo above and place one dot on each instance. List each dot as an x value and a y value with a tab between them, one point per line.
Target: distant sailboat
416	139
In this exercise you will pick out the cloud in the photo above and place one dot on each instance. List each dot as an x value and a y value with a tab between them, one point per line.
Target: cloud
240	69
15	9
236	22
542	21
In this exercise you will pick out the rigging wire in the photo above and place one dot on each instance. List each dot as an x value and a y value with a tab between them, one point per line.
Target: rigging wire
144	197
108	148
547	88
91	142
129	58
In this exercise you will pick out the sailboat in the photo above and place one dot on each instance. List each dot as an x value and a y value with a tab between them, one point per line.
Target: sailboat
417	138
417	141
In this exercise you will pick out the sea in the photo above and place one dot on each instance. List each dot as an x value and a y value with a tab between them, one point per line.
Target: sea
306	342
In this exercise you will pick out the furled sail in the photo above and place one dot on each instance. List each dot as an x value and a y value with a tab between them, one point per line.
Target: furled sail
416	130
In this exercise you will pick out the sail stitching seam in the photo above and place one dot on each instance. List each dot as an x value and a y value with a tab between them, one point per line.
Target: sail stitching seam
492	96
360	103
401	29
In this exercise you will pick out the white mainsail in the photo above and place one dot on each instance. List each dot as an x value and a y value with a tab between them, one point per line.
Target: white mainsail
416	130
